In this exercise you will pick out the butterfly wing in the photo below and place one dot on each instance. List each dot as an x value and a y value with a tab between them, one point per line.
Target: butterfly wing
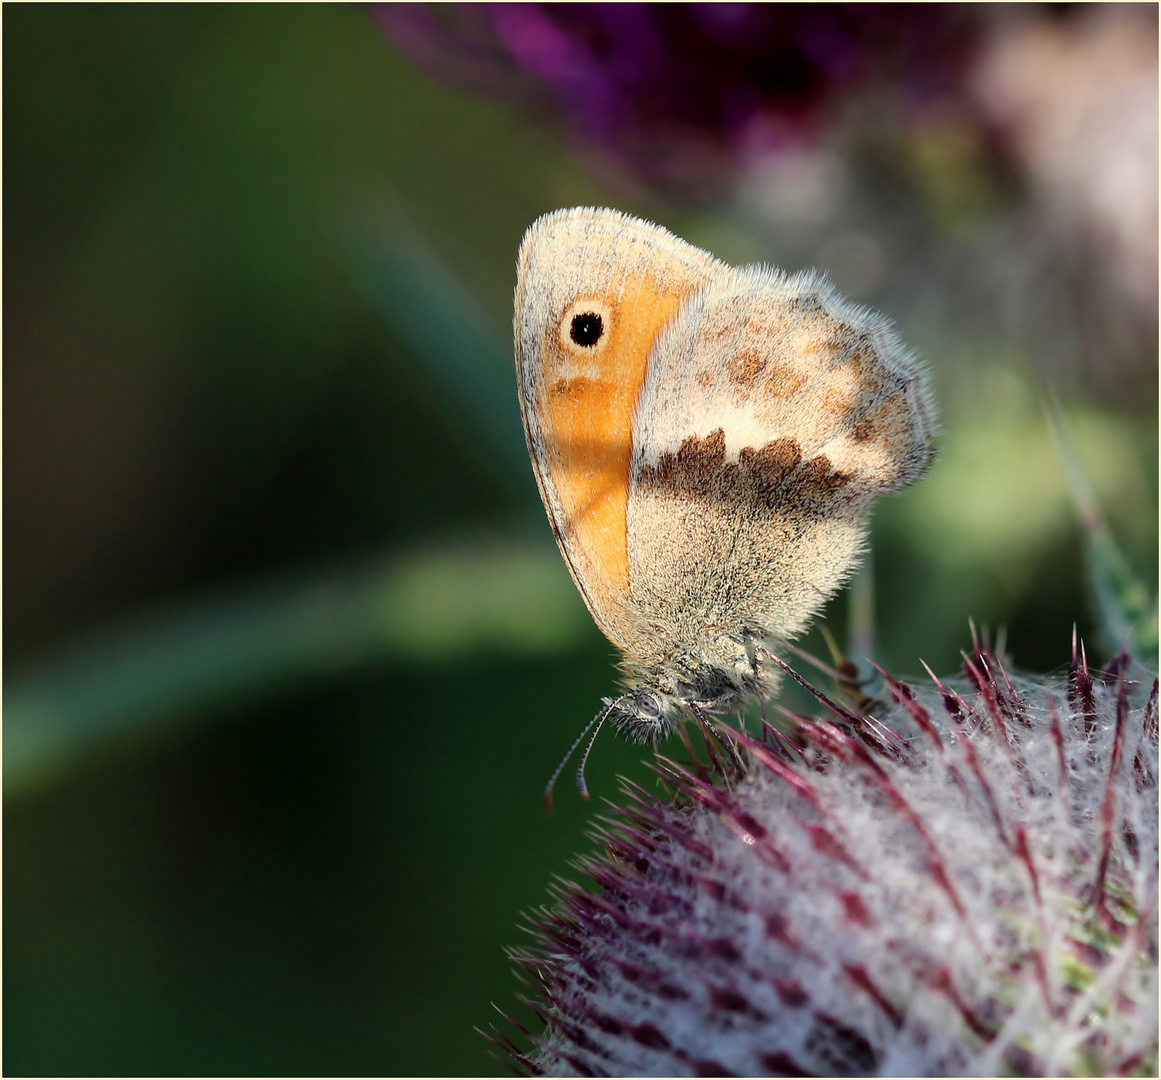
773	413
579	388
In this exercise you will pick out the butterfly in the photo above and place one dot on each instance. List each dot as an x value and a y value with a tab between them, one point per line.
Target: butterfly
707	441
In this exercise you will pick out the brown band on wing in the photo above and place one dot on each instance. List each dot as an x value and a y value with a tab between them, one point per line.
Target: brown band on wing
773	478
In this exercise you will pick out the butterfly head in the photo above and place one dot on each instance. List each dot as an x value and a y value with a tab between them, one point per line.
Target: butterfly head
645	714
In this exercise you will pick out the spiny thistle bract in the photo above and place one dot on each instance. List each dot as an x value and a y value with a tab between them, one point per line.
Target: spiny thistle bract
962	882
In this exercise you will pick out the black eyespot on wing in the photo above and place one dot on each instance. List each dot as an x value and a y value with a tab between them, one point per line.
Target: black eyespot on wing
586	329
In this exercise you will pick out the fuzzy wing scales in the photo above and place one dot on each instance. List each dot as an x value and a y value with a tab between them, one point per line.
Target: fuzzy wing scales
773	413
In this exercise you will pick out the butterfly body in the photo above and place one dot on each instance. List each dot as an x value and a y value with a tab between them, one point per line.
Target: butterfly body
707	441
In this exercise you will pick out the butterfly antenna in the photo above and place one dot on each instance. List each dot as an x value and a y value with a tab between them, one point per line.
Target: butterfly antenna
581	786
598	719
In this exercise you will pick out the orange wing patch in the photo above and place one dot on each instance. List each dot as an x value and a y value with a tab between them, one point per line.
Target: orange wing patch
587	401
595	290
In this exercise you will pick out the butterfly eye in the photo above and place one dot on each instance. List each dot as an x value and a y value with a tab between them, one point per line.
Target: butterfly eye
648	707
586	329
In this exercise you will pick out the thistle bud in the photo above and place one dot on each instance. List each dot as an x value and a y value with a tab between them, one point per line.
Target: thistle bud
955	880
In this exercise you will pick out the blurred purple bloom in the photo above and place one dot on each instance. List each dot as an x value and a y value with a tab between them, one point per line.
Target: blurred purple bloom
683	94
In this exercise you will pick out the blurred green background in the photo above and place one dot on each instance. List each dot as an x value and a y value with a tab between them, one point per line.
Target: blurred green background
289	652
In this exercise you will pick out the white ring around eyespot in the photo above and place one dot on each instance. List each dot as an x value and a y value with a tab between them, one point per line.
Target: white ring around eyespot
584	307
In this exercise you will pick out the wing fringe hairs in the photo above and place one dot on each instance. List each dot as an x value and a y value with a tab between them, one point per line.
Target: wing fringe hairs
960	881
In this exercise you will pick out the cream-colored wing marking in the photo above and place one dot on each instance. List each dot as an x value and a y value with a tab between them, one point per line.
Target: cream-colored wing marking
594	290
772	415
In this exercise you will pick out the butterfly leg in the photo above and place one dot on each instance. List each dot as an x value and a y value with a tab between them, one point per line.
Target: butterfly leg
722	736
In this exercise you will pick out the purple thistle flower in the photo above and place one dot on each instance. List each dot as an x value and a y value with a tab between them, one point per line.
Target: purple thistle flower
961	882
681	95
